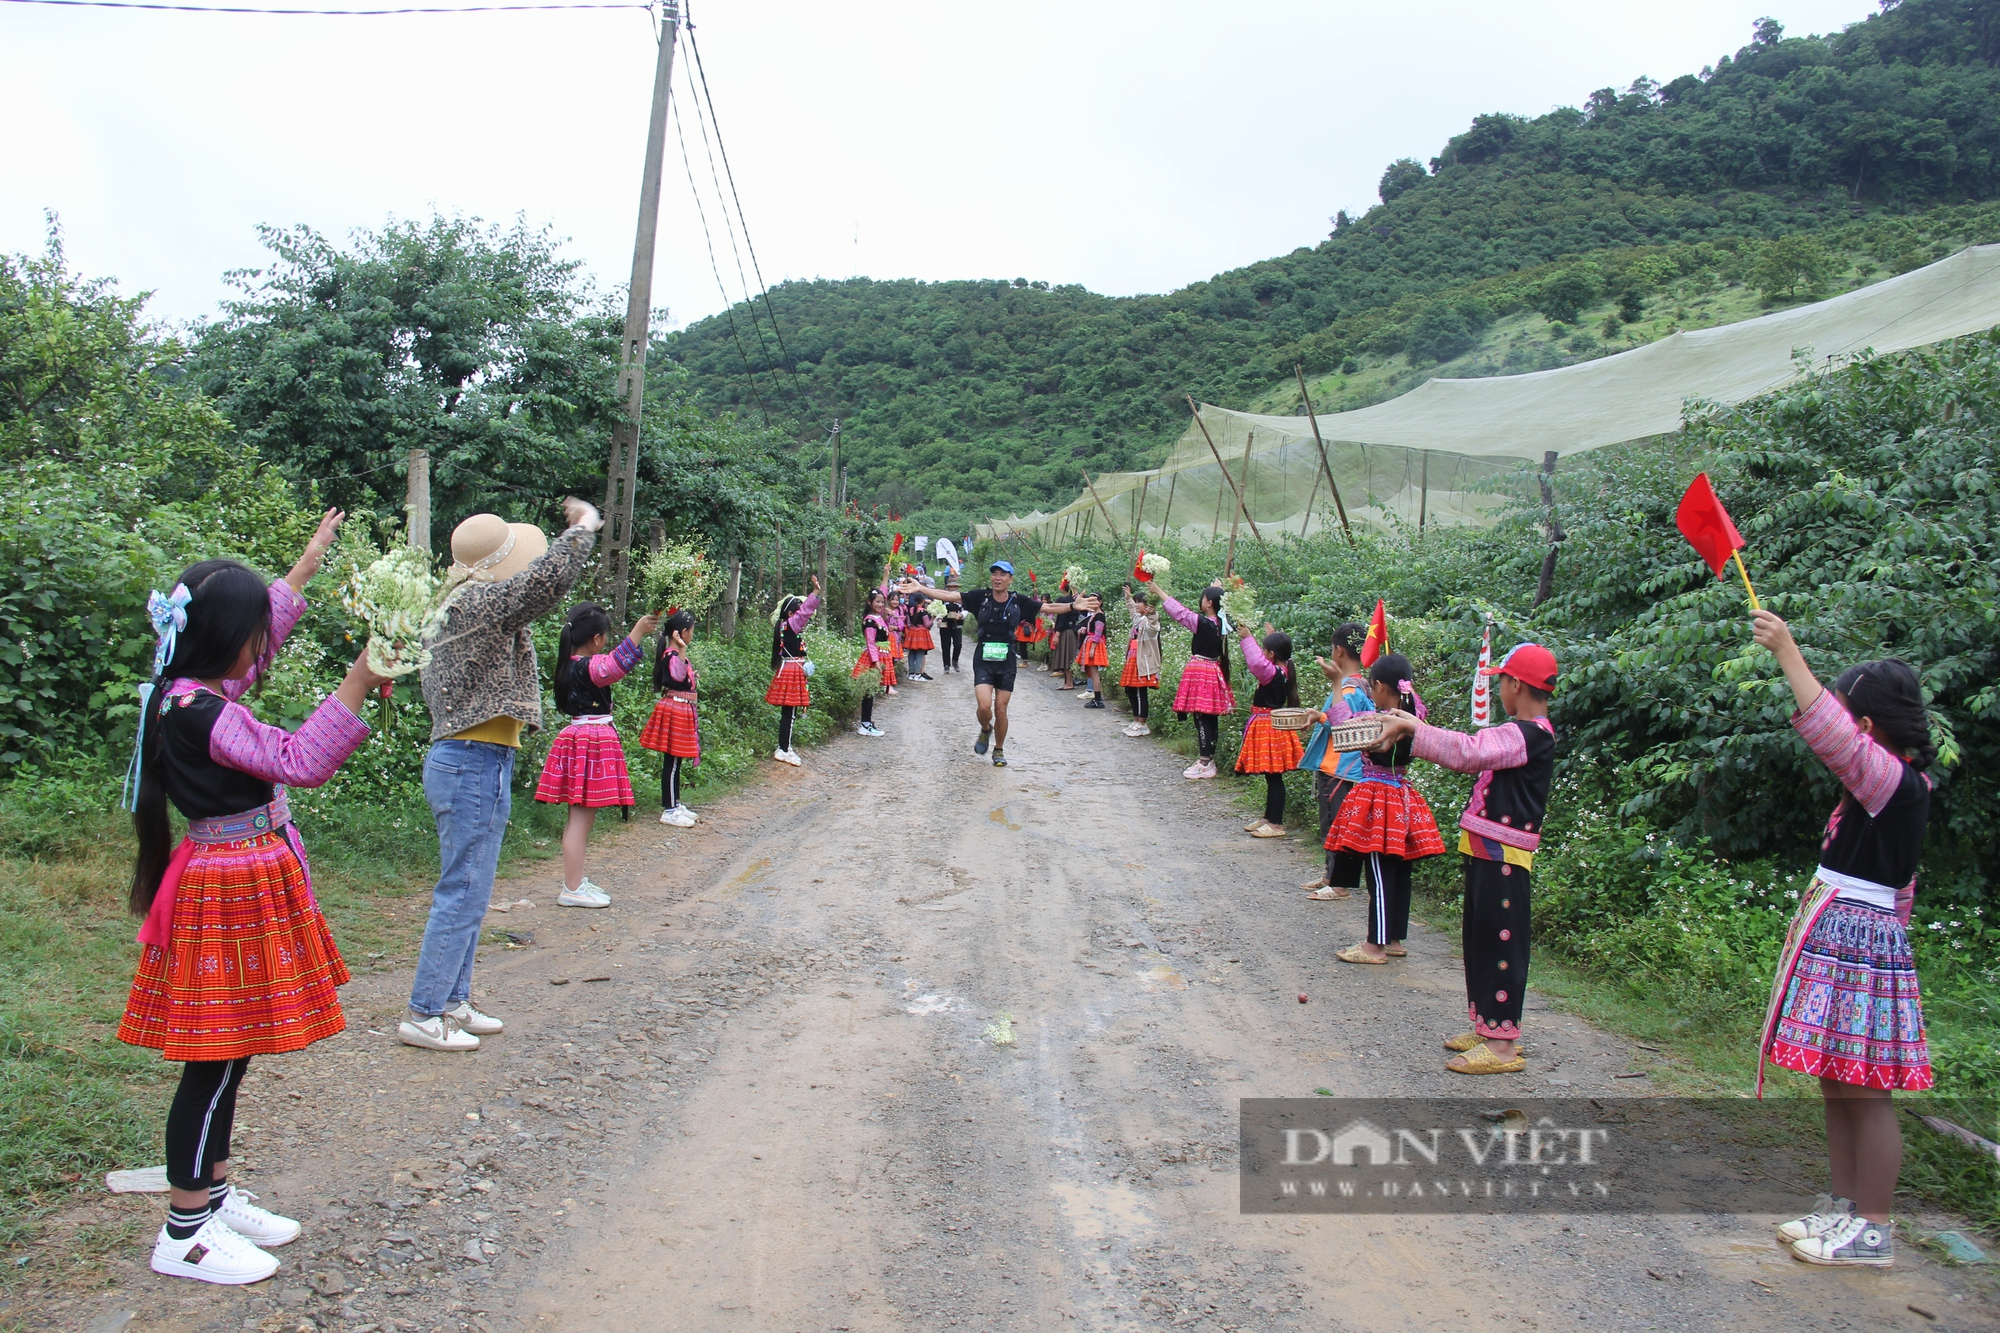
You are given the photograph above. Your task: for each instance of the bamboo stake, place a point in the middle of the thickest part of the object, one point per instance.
(1327, 467)
(1167, 519)
(1225, 471)
(1424, 501)
(1229, 561)
(1100, 504)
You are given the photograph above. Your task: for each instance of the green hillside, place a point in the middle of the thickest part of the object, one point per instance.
(1662, 199)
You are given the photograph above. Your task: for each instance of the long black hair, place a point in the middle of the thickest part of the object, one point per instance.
(585, 621)
(1278, 647)
(1393, 670)
(1887, 690)
(669, 627)
(1212, 596)
(229, 606)
(786, 609)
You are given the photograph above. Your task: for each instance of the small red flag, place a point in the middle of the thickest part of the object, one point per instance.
(895, 547)
(1705, 523)
(1139, 569)
(1377, 641)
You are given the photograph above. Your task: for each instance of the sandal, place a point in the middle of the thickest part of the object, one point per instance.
(1481, 1060)
(1255, 824)
(1326, 893)
(1398, 951)
(1353, 953)
(1268, 831)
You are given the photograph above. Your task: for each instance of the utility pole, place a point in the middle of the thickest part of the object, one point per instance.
(622, 477)
(417, 505)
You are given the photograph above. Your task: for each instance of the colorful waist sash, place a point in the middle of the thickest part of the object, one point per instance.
(236, 828)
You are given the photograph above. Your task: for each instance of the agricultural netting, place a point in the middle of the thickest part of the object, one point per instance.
(1441, 453)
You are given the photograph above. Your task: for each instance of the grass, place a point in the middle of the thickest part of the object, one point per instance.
(75, 1102)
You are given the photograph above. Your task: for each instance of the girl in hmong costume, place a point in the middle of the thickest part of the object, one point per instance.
(892, 612)
(788, 691)
(1204, 688)
(917, 634)
(238, 961)
(674, 729)
(1845, 1006)
(1093, 654)
(586, 769)
(875, 668)
(1265, 749)
(1141, 673)
(1386, 821)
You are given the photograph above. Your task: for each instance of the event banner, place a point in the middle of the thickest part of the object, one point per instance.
(1512, 1154)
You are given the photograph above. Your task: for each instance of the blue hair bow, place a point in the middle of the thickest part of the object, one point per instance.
(168, 612)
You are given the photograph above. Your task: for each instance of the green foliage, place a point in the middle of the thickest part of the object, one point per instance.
(990, 395)
(1791, 266)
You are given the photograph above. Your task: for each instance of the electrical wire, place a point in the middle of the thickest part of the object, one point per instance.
(320, 13)
(728, 310)
(728, 225)
(763, 288)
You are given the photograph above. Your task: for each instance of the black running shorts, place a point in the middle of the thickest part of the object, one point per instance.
(1000, 675)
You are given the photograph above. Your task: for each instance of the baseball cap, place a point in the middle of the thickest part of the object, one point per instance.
(1529, 663)
(1003, 566)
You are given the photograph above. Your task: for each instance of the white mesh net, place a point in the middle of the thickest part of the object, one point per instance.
(1431, 455)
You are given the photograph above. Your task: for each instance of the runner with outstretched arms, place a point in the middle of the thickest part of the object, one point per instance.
(994, 612)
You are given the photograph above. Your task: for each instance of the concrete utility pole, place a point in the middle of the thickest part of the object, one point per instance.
(417, 504)
(622, 477)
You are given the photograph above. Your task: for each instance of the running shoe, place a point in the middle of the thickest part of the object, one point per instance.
(468, 1018)
(435, 1032)
(786, 757)
(999, 758)
(585, 894)
(679, 817)
(985, 739)
(870, 729)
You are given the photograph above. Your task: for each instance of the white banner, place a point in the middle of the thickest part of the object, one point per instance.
(1482, 684)
(946, 552)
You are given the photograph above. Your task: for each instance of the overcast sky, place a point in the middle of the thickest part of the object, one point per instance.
(1131, 147)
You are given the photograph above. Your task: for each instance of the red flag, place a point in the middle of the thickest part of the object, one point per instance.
(1377, 641)
(1031, 576)
(895, 547)
(1705, 523)
(1139, 569)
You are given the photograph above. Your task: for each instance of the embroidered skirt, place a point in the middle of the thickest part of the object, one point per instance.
(788, 687)
(674, 728)
(874, 677)
(1093, 654)
(249, 967)
(917, 639)
(586, 766)
(1394, 820)
(1265, 748)
(1202, 689)
(1851, 1010)
(1130, 678)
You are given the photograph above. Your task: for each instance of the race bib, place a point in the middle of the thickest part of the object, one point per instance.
(993, 652)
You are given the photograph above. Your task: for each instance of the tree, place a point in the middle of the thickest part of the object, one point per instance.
(1791, 266)
(476, 343)
(1439, 334)
(1403, 175)
(1560, 298)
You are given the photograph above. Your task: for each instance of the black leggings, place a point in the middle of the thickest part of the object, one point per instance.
(1274, 798)
(1137, 696)
(867, 708)
(670, 780)
(951, 642)
(1207, 728)
(199, 1120)
(1388, 898)
(787, 715)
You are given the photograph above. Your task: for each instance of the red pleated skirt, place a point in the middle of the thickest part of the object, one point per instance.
(788, 687)
(249, 967)
(1381, 817)
(1202, 689)
(917, 639)
(886, 670)
(1093, 654)
(673, 729)
(1265, 748)
(586, 766)
(1130, 678)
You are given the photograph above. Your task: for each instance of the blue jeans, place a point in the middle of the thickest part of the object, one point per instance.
(469, 785)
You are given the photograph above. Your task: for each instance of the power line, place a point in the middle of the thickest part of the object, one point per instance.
(728, 306)
(321, 13)
(763, 288)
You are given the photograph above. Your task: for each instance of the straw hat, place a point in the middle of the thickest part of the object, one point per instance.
(487, 548)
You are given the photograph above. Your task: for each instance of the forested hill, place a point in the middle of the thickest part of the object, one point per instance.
(981, 395)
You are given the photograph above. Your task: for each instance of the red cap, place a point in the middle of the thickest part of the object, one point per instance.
(1529, 663)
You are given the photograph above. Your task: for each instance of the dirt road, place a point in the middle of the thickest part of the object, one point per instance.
(902, 1041)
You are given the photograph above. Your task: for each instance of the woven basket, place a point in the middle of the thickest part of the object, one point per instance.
(1362, 733)
(1291, 719)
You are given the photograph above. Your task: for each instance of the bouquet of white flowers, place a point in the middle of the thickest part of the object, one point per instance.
(400, 598)
(936, 608)
(1239, 601)
(1074, 577)
(676, 576)
(1156, 565)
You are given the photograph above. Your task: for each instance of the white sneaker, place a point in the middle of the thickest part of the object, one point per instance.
(1192, 770)
(680, 817)
(585, 894)
(212, 1254)
(439, 1032)
(869, 729)
(1204, 768)
(785, 757)
(1829, 1211)
(260, 1226)
(1141, 729)
(1853, 1241)
(468, 1019)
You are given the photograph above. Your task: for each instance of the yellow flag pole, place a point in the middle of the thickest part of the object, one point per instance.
(1737, 556)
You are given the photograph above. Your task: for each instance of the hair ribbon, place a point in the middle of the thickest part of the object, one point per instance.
(1409, 687)
(168, 614)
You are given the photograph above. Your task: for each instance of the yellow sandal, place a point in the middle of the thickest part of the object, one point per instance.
(1464, 1041)
(1481, 1060)
(1353, 954)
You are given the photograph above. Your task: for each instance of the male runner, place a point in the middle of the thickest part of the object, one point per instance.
(997, 612)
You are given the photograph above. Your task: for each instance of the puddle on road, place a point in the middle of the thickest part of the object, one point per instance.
(1161, 977)
(1000, 817)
